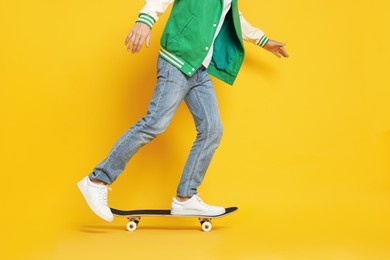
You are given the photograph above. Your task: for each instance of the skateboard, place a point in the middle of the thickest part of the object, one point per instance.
(134, 216)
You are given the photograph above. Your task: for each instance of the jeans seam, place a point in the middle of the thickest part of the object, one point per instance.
(203, 145)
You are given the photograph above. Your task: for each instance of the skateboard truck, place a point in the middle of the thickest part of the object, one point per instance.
(133, 223)
(206, 224)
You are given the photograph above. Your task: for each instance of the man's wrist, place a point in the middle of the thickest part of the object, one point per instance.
(263, 41)
(146, 19)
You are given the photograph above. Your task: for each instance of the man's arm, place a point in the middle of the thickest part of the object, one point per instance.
(258, 37)
(141, 31)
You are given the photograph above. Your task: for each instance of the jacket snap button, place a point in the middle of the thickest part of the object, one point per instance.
(215, 25)
(207, 48)
(189, 73)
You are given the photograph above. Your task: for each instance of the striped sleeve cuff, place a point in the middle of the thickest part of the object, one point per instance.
(146, 19)
(263, 41)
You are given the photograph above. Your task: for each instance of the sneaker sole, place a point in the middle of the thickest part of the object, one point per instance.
(194, 213)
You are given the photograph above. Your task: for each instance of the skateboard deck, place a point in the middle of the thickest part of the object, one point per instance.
(134, 216)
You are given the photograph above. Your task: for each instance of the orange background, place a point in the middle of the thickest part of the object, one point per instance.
(305, 153)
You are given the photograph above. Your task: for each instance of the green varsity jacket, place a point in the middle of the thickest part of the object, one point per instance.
(189, 34)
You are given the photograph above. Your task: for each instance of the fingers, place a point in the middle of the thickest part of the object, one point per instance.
(139, 40)
(277, 48)
(283, 52)
(134, 42)
(137, 36)
(130, 40)
(148, 40)
(276, 53)
(279, 52)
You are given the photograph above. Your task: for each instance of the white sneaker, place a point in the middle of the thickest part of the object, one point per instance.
(96, 197)
(194, 206)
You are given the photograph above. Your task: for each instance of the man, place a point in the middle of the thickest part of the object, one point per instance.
(200, 37)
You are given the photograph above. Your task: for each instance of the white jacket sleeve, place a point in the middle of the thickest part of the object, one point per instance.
(152, 10)
(252, 34)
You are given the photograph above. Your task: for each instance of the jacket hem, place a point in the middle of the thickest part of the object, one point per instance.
(178, 62)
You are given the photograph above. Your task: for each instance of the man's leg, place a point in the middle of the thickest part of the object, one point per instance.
(169, 92)
(171, 88)
(202, 102)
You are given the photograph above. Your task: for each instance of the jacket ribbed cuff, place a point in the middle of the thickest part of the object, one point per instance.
(263, 41)
(146, 19)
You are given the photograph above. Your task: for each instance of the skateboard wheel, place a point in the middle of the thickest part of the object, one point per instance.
(131, 226)
(207, 226)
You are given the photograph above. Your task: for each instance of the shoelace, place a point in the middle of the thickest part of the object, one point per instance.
(103, 192)
(199, 199)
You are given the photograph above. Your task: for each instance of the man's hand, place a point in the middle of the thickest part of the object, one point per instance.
(137, 36)
(276, 48)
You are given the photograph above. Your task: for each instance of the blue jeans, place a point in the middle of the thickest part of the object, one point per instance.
(172, 87)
